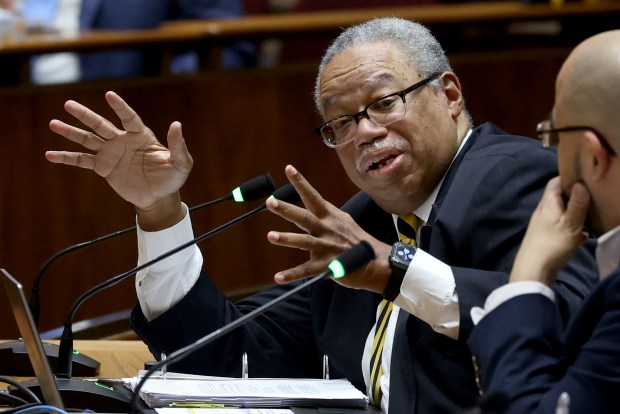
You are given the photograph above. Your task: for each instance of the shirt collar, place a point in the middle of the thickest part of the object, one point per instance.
(423, 212)
(607, 252)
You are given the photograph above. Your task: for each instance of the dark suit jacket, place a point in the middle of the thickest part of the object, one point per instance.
(479, 218)
(521, 353)
(144, 14)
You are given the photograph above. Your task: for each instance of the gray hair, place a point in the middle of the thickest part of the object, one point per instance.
(416, 41)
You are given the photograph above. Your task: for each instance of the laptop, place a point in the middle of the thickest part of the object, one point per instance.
(76, 393)
(32, 340)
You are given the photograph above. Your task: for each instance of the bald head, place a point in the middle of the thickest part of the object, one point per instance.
(588, 86)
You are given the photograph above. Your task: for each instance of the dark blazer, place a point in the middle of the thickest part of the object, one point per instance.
(480, 216)
(144, 14)
(521, 353)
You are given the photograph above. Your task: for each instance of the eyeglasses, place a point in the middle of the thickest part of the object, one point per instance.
(550, 137)
(384, 111)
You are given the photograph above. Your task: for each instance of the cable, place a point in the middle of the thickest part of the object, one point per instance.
(42, 408)
(21, 407)
(21, 387)
(13, 399)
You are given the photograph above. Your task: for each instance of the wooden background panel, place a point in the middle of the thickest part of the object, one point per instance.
(237, 125)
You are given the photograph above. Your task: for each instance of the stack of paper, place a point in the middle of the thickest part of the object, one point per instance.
(260, 393)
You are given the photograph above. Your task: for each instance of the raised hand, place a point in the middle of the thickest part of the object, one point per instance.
(553, 235)
(135, 164)
(328, 232)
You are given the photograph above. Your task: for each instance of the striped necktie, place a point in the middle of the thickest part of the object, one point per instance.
(406, 226)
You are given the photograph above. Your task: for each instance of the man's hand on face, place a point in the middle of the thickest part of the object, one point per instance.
(555, 232)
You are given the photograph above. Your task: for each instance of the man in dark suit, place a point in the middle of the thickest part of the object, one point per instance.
(516, 343)
(144, 14)
(410, 147)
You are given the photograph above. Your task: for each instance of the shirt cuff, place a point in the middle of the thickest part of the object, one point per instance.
(152, 244)
(505, 293)
(428, 291)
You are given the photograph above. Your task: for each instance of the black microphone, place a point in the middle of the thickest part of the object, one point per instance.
(13, 354)
(348, 262)
(87, 394)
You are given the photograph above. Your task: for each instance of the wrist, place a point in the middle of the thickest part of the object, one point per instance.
(164, 213)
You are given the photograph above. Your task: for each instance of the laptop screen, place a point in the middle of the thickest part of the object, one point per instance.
(30, 336)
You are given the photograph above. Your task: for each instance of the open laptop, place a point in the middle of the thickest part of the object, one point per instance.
(30, 335)
(76, 393)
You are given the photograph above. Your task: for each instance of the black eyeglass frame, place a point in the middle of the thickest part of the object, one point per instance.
(547, 142)
(364, 112)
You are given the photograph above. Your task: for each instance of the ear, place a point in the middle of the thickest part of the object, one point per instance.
(452, 89)
(599, 158)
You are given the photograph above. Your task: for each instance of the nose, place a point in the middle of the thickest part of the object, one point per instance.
(368, 131)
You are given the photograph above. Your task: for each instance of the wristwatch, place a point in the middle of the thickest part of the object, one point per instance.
(400, 258)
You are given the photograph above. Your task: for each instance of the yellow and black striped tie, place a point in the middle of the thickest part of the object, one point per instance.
(407, 226)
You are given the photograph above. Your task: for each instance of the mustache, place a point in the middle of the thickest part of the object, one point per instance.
(400, 145)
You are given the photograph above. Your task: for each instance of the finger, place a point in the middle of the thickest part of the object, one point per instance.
(299, 216)
(129, 118)
(306, 242)
(178, 150)
(76, 159)
(101, 126)
(309, 196)
(577, 207)
(86, 139)
(304, 270)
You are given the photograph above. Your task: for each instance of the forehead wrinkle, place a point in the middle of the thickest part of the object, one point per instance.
(367, 83)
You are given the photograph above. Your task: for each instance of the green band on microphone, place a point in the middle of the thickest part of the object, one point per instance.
(238, 197)
(337, 269)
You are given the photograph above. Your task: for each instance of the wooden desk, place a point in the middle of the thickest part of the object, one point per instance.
(118, 359)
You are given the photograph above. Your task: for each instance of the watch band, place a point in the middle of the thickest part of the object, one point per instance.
(400, 258)
(392, 289)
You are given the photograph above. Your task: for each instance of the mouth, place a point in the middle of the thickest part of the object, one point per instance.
(383, 162)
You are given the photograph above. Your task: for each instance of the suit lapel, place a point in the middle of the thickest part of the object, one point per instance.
(425, 230)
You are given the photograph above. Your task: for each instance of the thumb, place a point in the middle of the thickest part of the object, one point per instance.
(578, 205)
(178, 150)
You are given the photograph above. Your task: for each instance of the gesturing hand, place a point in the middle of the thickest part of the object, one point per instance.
(328, 232)
(135, 164)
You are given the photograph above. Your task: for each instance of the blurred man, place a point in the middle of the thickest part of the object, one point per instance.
(517, 344)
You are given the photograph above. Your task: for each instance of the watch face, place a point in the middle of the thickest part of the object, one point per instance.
(405, 254)
(402, 253)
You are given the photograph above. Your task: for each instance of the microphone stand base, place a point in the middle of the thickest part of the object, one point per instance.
(84, 395)
(14, 360)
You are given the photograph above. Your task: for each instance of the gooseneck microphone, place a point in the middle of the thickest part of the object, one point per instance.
(258, 187)
(13, 354)
(348, 262)
(86, 394)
